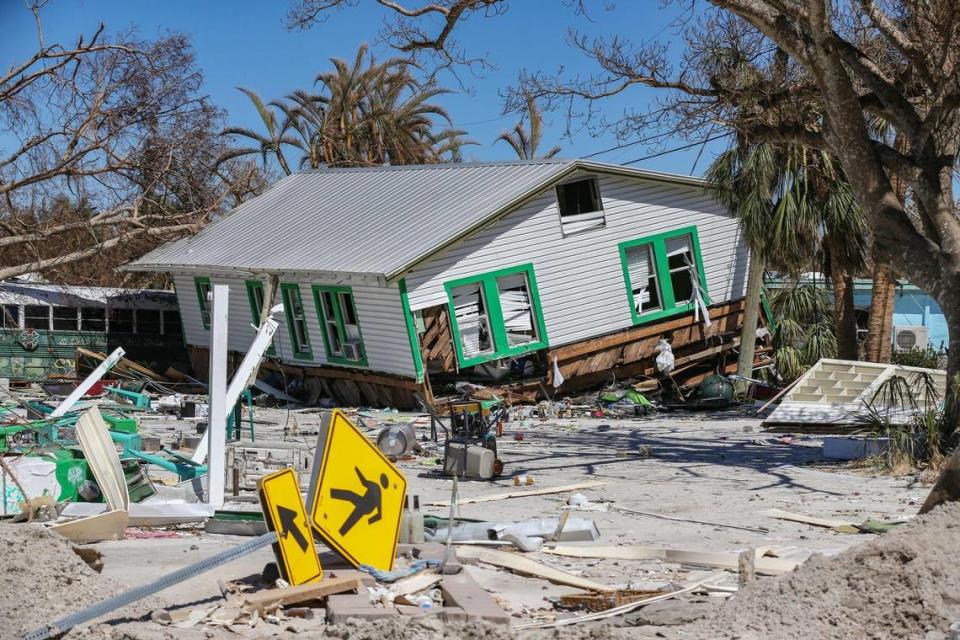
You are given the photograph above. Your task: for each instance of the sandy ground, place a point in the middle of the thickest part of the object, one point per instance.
(718, 467)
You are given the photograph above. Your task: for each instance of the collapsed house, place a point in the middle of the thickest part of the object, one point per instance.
(394, 279)
(42, 325)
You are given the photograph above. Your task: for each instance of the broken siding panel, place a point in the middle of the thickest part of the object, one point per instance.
(580, 277)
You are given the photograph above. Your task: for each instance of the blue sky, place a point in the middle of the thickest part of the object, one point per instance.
(244, 43)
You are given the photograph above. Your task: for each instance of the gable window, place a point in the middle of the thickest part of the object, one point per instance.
(339, 324)
(36, 316)
(203, 298)
(65, 318)
(496, 315)
(93, 319)
(10, 316)
(580, 205)
(663, 274)
(296, 320)
(255, 296)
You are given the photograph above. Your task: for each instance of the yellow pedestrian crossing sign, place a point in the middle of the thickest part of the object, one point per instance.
(284, 513)
(356, 495)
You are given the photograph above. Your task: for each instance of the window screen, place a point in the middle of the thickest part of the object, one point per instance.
(643, 278)
(297, 319)
(330, 324)
(36, 316)
(65, 318)
(580, 205)
(121, 320)
(473, 321)
(10, 316)
(93, 319)
(517, 309)
(680, 260)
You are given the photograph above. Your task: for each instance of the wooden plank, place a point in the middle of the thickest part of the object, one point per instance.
(828, 523)
(720, 560)
(526, 566)
(103, 526)
(520, 494)
(271, 598)
(341, 374)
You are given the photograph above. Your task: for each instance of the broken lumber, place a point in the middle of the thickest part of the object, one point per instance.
(273, 598)
(691, 520)
(525, 566)
(842, 526)
(718, 559)
(520, 494)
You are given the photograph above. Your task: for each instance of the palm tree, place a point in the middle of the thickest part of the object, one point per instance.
(266, 145)
(796, 211)
(524, 144)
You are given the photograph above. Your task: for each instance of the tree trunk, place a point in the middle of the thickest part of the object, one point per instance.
(844, 316)
(880, 328)
(751, 316)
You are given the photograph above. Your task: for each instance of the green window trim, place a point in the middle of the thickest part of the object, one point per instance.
(199, 283)
(498, 331)
(411, 330)
(341, 327)
(662, 267)
(255, 310)
(300, 351)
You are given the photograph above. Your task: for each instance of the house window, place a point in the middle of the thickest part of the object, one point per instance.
(65, 318)
(255, 297)
(203, 298)
(339, 325)
(36, 316)
(121, 320)
(10, 316)
(171, 323)
(148, 321)
(496, 315)
(93, 319)
(296, 320)
(580, 205)
(663, 274)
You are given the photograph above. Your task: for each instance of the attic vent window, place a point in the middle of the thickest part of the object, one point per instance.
(580, 205)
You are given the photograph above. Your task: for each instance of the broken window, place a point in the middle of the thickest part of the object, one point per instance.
(171, 323)
(643, 278)
(663, 274)
(148, 321)
(341, 327)
(496, 315)
(65, 318)
(255, 296)
(296, 320)
(473, 323)
(518, 319)
(36, 316)
(93, 319)
(10, 317)
(121, 320)
(580, 205)
(203, 299)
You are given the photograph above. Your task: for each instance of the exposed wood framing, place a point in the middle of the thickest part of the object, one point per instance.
(436, 343)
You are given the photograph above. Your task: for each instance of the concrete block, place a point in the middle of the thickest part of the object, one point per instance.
(343, 607)
(853, 448)
(446, 614)
(423, 550)
(462, 591)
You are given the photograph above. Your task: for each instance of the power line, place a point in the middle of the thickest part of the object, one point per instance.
(686, 146)
(624, 145)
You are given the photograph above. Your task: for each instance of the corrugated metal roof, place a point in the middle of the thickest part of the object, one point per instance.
(379, 220)
(18, 292)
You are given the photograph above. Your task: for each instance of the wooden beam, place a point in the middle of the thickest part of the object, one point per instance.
(342, 374)
(525, 566)
(721, 560)
(272, 598)
(494, 497)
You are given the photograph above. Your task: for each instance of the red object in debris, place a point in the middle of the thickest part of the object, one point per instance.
(518, 436)
(597, 414)
(96, 389)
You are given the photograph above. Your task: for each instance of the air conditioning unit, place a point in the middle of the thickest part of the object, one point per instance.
(906, 338)
(352, 351)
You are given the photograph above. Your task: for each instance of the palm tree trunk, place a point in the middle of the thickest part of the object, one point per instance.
(751, 316)
(880, 328)
(844, 316)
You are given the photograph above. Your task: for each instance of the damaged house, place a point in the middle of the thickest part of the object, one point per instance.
(397, 279)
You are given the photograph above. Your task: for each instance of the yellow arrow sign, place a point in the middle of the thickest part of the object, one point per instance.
(357, 496)
(284, 513)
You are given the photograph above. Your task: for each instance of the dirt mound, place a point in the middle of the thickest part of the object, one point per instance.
(904, 584)
(42, 579)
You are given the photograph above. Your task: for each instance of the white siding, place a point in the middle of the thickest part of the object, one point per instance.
(378, 309)
(580, 277)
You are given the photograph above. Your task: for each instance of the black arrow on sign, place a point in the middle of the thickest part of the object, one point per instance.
(288, 525)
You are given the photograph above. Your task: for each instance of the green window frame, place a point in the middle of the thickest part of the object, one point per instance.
(255, 291)
(203, 287)
(661, 274)
(296, 318)
(412, 330)
(492, 313)
(339, 324)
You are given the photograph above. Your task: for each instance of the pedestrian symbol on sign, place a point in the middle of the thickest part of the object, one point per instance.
(364, 504)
